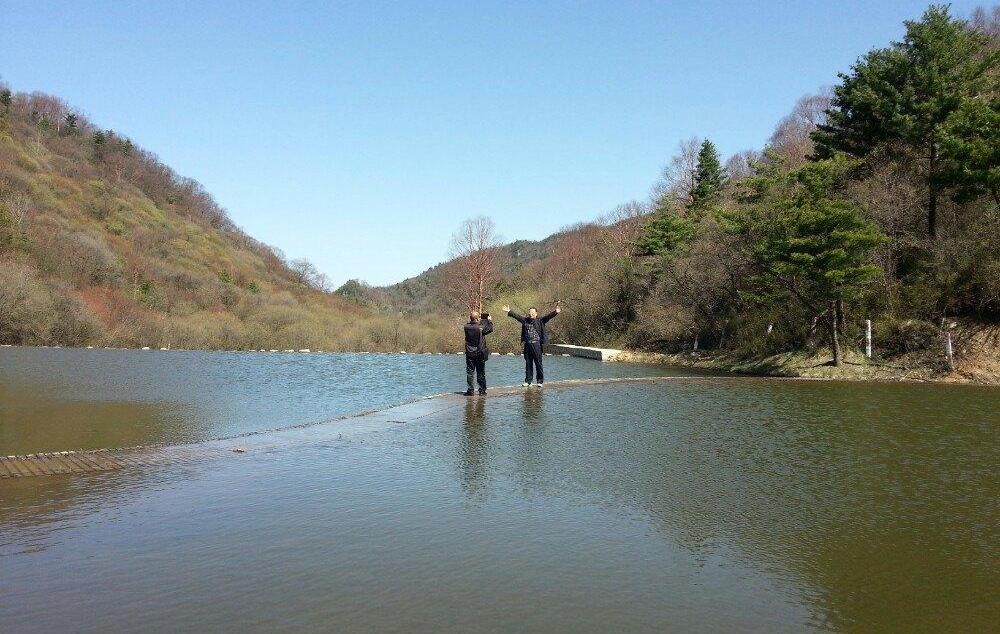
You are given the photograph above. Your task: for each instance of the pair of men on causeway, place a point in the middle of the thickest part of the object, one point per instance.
(533, 337)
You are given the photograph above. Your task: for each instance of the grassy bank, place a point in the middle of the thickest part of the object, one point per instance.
(979, 366)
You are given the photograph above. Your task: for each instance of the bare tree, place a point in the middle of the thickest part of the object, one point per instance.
(677, 180)
(740, 165)
(987, 21)
(20, 208)
(476, 249)
(623, 224)
(306, 274)
(791, 136)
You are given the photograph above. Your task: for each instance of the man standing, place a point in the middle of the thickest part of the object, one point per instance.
(476, 351)
(533, 337)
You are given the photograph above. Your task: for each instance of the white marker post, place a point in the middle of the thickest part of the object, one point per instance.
(868, 338)
(949, 352)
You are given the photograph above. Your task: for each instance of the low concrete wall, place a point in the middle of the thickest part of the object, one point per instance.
(599, 354)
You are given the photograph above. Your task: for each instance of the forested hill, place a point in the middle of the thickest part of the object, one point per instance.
(876, 200)
(430, 291)
(103, 244)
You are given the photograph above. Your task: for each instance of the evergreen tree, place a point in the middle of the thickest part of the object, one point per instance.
(809, 244)
(916, 99)
(5, 99)
(663, 234)
(709, 175)
(71, 122)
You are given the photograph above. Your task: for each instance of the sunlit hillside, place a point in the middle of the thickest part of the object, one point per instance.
(103, 244)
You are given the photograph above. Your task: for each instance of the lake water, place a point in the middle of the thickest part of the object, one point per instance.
(698, 505)
(55, 399)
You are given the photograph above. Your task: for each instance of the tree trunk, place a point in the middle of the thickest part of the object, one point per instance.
(932, 194)
(835, 335)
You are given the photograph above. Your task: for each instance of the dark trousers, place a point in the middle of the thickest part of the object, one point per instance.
(475, 366)
(533, 359)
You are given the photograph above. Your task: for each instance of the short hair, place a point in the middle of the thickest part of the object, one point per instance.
(533, 308)
(474, 315)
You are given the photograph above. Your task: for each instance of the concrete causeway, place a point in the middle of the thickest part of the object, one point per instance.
(598, 354)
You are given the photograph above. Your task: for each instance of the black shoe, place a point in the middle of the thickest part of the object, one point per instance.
(469, 392)
(482, 392)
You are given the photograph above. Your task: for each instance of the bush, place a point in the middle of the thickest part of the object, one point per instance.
(894, 338)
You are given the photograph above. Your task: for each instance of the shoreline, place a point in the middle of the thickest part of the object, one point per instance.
(983, 370)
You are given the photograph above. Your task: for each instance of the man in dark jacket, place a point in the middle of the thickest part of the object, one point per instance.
(476, 350)
(533, 337)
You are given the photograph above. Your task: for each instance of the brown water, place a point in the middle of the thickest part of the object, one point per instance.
(698, 505)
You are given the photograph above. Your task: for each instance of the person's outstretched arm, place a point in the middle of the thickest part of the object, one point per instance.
(512, 314)
(552, 314)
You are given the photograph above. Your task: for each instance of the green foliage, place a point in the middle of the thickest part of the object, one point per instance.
(663, 234)
(353, 290)
(71, 124)
(930, 100)
(709, 176)
(807, 242)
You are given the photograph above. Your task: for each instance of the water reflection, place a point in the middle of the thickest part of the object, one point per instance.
(532, 405)
(473, 447)
(728, 506)
(59, 399)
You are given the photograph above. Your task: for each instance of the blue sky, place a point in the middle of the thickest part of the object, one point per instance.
(360, 134)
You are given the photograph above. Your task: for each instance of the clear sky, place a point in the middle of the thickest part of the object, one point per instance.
(360, 134)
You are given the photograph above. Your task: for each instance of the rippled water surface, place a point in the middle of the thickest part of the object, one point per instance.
(696, 505)
(57, 399)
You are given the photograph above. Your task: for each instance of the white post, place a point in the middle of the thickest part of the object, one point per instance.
(868, 338)
(948, 351)
(696, 342)
(770, 327)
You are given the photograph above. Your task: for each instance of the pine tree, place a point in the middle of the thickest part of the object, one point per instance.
(663, 234)
(811, 245)
(912, 99)
(708, 177)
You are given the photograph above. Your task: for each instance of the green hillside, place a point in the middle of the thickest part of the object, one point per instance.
(877, 201)
(102, 244)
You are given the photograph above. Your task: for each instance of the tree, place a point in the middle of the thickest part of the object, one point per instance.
(663, 234)
(808, 243)
(678, 178)
(476, 248)
(5, 99)
(71, 124)
(741, 165)
(708, 177)
(915, 100)
(791, 138)
(306, 274)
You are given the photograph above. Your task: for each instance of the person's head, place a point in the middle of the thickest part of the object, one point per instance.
(474, 317)
(532, 312)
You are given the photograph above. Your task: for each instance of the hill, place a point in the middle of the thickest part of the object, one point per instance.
(102, 244)
(877, 201)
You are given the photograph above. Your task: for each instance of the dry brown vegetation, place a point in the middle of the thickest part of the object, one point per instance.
(102, 244)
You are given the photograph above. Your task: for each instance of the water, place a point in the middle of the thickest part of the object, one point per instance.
(697, 505)
(55, 399)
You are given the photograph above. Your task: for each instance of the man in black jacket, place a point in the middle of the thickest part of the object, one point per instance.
(476, 350)
(533, 337)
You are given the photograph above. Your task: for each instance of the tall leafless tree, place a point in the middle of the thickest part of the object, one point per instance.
(475, 247)
(677, 179)
(791, 136)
